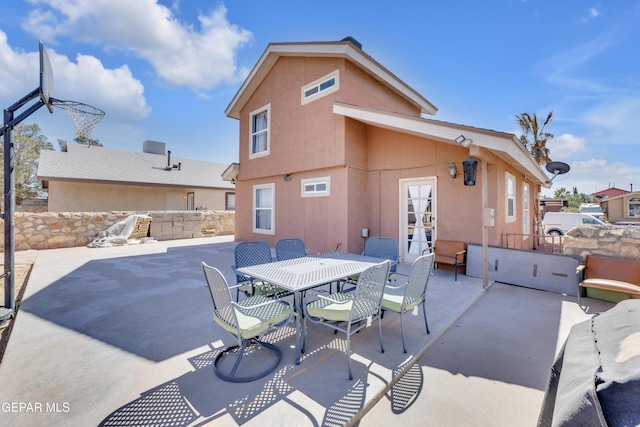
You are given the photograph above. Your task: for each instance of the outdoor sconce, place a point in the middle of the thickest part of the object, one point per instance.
(470, 167)
(453, 173)
(286, 177)
(364, 233)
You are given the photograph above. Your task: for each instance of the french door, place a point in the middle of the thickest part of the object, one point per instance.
(417, 216)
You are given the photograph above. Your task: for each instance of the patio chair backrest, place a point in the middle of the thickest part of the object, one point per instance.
(369, 291)
(382, 247)
(418, 279)
(289, 249)
(251, 253)
(220, 295)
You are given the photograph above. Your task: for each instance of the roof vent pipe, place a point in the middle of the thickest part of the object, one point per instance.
(169, 159)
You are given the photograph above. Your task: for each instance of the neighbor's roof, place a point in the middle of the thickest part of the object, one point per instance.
(107, 165)
(340, 49)
(505, 145)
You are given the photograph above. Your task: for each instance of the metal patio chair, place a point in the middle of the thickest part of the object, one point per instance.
(248, 254)
(410, 295)
(353, 311)
(380, 247)
(246, 321)
(290, 249)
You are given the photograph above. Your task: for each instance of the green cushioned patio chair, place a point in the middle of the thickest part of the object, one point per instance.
(247, 254)
(410, 295)
(247, 320)
(353, 311)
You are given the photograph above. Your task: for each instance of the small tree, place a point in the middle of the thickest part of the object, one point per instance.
(79, 140)
(28, 141)
(534, 137)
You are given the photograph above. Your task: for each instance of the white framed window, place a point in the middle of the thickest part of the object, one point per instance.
(264, 208)
(323, 86)
(316, 187)
(526, 227)
(633, 207)
(510, 197)
(259, 134)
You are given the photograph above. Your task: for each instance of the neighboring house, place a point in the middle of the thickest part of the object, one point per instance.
(624, 208)
(96, 179)
(332, 143)
(609, 192)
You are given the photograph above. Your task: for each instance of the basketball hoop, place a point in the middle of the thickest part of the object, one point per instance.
(85, 117)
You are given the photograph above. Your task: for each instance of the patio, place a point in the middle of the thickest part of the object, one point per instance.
(125, 336)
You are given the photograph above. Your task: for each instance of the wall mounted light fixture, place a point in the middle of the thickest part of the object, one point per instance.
(470, 167)
(465, 142)
(453, 172)
(286, 177)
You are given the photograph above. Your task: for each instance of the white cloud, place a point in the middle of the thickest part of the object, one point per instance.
(86, 80)
(592, 13)
(566, 146)
(181, 55)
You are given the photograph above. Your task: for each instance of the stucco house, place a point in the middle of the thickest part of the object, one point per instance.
(622, 209)
(333, 146)
(98, 179)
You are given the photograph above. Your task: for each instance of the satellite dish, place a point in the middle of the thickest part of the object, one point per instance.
(557, 168)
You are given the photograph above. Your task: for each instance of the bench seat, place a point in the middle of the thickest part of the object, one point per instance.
(611, 274)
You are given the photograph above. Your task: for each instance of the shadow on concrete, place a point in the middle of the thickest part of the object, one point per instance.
(155, 306)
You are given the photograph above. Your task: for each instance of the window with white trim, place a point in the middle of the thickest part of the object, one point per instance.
(264, 208)
(510, 197)
(259, 135)
(316, 187)
(525, 208)
(633, 207)
(323, 86)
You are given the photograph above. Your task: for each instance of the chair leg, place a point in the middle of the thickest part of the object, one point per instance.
(349, 354)
(380, 333)
(404, 347)
(230, 375)
(424, 310)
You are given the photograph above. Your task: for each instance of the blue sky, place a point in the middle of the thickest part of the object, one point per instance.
(166, 70)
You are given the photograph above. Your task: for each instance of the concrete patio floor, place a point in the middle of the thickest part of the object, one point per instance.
(125, 336)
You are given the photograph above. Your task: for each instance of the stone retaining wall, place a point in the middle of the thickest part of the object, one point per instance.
(611, 240)
(52, 230)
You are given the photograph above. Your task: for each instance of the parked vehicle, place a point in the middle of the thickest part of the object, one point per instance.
(592, 209)
(558, 223)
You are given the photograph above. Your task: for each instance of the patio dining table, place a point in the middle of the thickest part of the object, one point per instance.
(301, 274)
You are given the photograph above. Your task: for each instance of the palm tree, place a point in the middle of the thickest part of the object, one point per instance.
(534, 138)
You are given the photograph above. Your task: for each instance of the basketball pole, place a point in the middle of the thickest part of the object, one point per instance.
(10, 122)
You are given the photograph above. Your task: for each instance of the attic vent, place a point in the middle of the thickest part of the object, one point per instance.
(353, 41)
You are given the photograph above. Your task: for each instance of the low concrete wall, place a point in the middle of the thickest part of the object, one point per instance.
(52, 230)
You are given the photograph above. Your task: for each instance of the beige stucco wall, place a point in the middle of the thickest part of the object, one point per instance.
(618, 209)
(88, 197)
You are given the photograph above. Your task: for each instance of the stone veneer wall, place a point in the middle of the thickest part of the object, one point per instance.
(611, 240)
(52, 230)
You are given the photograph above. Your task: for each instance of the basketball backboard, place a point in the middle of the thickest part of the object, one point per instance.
(46, 78)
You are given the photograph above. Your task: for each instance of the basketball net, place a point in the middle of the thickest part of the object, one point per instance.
(85, 117)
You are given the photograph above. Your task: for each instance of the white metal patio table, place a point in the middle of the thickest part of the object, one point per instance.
(300, 274)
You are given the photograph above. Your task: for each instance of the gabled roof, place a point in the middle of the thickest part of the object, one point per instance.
(107, 165)
(505, 145)
(622, 196)
(341, 49)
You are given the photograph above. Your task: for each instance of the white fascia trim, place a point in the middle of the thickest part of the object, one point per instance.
(504, 145)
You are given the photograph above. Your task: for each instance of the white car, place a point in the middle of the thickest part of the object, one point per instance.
(558, 223)
(592, 209)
